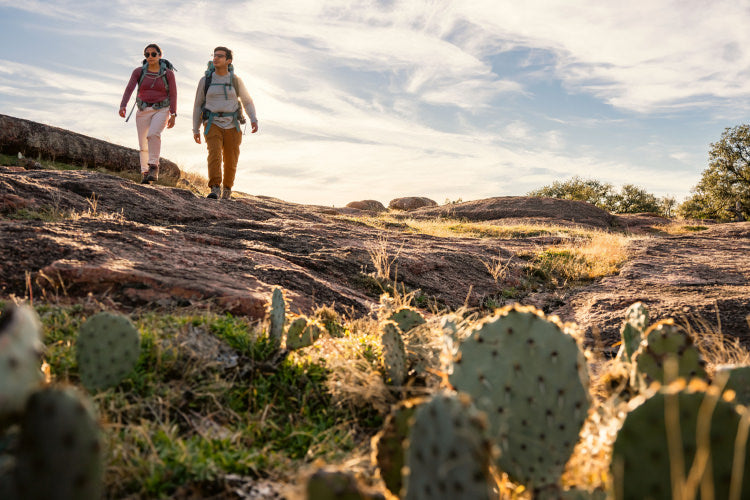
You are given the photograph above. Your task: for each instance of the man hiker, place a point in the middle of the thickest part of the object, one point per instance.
(218, 107)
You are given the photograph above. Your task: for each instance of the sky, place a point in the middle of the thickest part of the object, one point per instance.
(451, 100)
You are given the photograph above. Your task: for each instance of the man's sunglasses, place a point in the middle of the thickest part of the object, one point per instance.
(151, 54)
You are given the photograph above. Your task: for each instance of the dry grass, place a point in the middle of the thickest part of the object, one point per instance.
(678, 228)
(598, 255)
(451, 228)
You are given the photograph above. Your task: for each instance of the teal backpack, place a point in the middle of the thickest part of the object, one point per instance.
(164, 65)
(208, 115)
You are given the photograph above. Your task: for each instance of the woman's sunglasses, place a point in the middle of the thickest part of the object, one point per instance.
(151, 54)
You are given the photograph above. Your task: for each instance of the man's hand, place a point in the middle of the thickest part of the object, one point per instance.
(122, 112)
(170, 123)
(197, 138)
(254, 127)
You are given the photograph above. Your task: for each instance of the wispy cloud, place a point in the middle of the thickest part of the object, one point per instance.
(377, 99)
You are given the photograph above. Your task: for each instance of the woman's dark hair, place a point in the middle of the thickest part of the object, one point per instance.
(226, 51)
(158, 49)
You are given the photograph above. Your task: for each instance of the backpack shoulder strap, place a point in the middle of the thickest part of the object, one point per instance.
(143, 73)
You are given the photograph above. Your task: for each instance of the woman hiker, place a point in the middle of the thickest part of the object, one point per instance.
(157, 107)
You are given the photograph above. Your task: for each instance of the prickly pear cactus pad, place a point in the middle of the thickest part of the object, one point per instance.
(448, 454)
(636, 321)
(663, 340)
(738, 380)
(60, 451)
(277, 314)
(388, 445)
(394, 353)
(531, 379)
(303, 332)
(107, 350)
(20, 357)
(641, 454)
(407, 318)
(331, 484)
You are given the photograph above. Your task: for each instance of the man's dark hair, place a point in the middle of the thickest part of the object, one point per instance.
(158, 49)
(226, 51)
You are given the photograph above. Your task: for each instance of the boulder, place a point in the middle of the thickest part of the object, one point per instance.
(411, 203)
(37, 140)
(369, 205)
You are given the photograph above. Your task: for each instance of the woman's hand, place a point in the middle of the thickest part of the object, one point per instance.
(122, 112)
(170, 123)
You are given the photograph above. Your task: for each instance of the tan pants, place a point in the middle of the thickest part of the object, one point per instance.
(223, 142)
(150, 123)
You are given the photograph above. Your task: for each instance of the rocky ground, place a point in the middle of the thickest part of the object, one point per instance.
(135, 245)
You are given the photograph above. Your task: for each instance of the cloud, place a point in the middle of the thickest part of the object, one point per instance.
(361, 99)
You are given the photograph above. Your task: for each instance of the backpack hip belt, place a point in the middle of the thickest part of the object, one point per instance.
(209, 116)
(156, 105)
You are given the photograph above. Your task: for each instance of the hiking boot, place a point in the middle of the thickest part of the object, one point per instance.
(215, 192)
(144, 179)
(226, 194)
(153, 172)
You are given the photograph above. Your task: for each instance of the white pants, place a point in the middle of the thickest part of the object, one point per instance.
(150, 122)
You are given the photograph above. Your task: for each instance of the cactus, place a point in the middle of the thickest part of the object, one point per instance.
(60, 450)
(664, 340)
(531, 379)
(644, 465)
(20, 358)
(394, 353)
(448, 453)
(738, 380)
(107, 350)
(633, 329)
(332, 484)
(388, 445)
(303, 332)
(407, 318)
(277, 314)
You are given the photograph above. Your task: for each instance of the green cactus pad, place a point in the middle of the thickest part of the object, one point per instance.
(277, 314)
(60, 450)
(632, 331)
(531, 379)
(641, 453)
(394, 353)
(388, 445)
(20, 358)
(448, 453)
(738, 381)
(407, 318)
(303, 332)
(107, 350)
(332, 484)
(662, 341)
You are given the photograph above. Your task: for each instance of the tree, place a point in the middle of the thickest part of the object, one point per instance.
(631, 199)
(725, 184)
(578, 189)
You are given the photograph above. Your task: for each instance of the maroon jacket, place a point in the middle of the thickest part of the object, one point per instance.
(152, 89)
